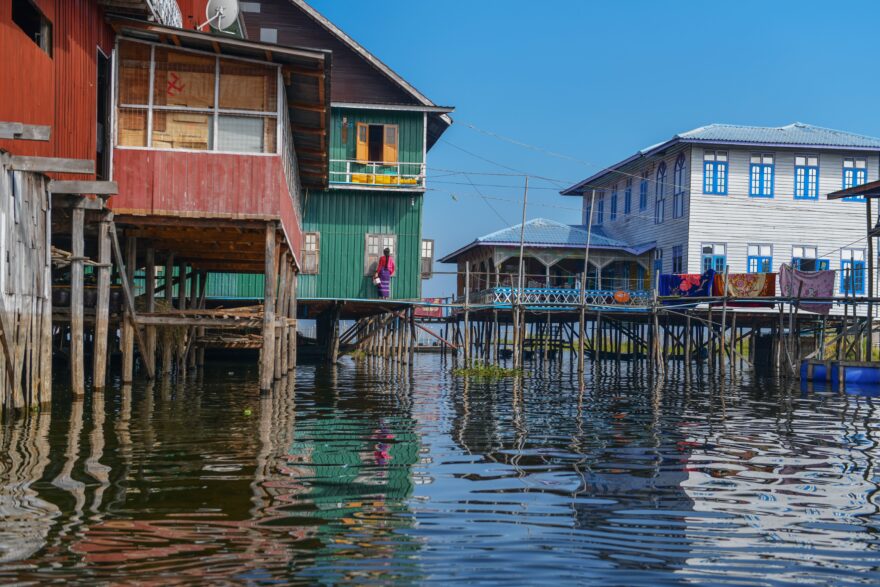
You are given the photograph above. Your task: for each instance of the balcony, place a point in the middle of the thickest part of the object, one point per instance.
(377, 174)
(560, 298)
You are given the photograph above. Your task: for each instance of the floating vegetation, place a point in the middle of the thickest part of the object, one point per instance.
(486, 371)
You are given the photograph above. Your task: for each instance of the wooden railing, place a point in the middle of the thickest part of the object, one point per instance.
(377, 173)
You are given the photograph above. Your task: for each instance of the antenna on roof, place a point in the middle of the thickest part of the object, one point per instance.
(221, 14)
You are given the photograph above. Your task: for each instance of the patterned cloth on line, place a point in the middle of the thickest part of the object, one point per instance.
(746, 285)
(807, 284)
(688, 285)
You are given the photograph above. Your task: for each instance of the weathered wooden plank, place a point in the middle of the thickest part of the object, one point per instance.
(72, 202)
(203, 321)
(99, 188)
(24, 132)
(52, 164)
(102, 309)
(267, 353)
(77, 356)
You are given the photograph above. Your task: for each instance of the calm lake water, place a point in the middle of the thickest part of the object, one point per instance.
(364, 473)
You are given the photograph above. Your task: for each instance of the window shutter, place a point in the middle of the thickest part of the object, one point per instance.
(389, 150)
(362, 152)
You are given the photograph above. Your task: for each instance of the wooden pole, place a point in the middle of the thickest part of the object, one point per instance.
(291, 345)
(267, 352)
(148, 354)
(127, 276)
(102, 309)
(280, 310)
(169, 299)
(467, 312)
(77, 358)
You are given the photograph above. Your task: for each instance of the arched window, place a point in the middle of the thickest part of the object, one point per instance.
(678, 188)
(660, 193)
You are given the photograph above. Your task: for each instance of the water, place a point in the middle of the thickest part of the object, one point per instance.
(368, 474)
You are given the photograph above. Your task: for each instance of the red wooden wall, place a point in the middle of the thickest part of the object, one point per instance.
(60, 90)
(204, 185)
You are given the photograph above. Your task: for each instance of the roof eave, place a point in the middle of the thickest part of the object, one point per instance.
(578, 188)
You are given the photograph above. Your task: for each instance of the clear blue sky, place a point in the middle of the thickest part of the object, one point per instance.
(596, 81)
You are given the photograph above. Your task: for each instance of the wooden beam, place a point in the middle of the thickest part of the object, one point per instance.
(52, 165)
(308, 130)
(24, 132)
(102, 188)
(267, 352)
(77, 203)
(205, 321)
(129, 297)
(319, 73)
(308, 107)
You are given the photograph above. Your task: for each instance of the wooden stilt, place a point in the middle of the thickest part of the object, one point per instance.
(148, 354)
(77, 358)
(167, 339)
(280, 311)
(102, 308)
(127, 323)
(267, 352)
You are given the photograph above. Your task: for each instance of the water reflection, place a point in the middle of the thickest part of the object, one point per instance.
(375, 472)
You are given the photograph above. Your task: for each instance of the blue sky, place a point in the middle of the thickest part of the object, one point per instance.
(595, 82)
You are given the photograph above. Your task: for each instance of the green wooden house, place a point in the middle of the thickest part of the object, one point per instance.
(380, 132)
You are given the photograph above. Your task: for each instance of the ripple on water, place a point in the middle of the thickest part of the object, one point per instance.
(369, 473)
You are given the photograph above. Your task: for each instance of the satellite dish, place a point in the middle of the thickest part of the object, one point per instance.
(221, 14)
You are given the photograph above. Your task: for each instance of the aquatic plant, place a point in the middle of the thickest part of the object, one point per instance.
(486, 371)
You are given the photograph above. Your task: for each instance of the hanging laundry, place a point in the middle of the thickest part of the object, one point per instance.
(688, 285)
(807, 284)
(746, 285)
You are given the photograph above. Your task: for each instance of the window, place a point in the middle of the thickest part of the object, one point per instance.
(376, 143)
(804, 258)
(678, 187)
(715, 172)
(311, 253)
(760, 259)
(660, 194)
(427, 258)
(714, 257)
(855, 173)
(806, 177)
(613, 204)
(643, 192)
(678, 259)
(195, 101)
(658, 260)
(761, 175)
(374, 246)
(852, 271)
(628, 196)
(31, 21)
(600, 208)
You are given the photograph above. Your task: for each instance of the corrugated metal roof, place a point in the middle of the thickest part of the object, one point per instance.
(541, 232)
(796, 133)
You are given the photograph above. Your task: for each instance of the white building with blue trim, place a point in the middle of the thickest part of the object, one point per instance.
(744, 197)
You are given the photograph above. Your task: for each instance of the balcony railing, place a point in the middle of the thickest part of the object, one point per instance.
(377, 174)
(548, 297)
(289, 162)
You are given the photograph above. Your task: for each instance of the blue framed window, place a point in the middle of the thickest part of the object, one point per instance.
(714, 256)
(761, 172)
(600, 208)
(852, 271)
(643, 192)
(628, 196)
(678, 176)
(658, 260)
(855, 172)
(678, 259)
(660, 194)
(806, 177)
(613, 215)
(760, 259)
(715, 172)
(587, 210)
(640, 277)
(804, 258)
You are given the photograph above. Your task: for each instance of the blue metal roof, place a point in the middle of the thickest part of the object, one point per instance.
(796, 134)
(541, 232)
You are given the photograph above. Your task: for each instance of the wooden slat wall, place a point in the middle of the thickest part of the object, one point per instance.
(59, 91)
(204, 185)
